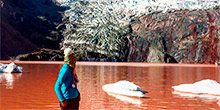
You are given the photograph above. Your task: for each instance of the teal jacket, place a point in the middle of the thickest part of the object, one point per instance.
(63, 86)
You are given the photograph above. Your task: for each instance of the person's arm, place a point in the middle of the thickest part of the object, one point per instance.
(62, 76)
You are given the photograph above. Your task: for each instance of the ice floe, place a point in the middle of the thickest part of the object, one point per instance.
(125, 88)
(207, 89)
(10, 68)
(201, 87)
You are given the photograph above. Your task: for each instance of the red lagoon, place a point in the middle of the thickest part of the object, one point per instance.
(34, 88)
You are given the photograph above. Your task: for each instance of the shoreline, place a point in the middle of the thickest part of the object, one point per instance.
(134, 64)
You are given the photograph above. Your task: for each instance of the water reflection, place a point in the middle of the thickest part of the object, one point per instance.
(218, 101)
(132, 100)
(8, 79)
(158, 81)
(37, 84)
(204, 98)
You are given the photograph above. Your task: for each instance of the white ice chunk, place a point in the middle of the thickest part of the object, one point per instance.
(201, 87)
(208, 89)
(123, 88)
(9, 68)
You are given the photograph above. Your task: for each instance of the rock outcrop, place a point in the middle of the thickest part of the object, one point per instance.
(168, 32)
(181, 36)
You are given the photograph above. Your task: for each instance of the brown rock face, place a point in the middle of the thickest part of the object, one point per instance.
(180, 36)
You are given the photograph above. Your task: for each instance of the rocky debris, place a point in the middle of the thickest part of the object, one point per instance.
(181, 36)
(41, 55)
(29, 24)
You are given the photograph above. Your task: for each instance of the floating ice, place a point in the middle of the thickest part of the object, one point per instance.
(206, 89)
(123, 88)
(10, 68)
(201, 87)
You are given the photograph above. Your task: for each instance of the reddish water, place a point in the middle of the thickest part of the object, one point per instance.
(34, 88)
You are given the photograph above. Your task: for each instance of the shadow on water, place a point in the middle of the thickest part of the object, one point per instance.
(145, 97)
(144, 92)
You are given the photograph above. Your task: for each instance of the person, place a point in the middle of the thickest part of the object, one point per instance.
(66, 84)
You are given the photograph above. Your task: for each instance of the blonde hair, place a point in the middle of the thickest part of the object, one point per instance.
(67, 52)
